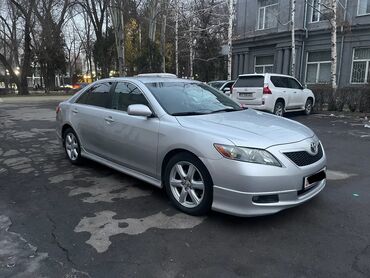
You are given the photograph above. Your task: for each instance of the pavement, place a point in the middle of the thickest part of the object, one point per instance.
(60, 220)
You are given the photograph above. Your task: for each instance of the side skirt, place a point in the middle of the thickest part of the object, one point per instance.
(123, 169)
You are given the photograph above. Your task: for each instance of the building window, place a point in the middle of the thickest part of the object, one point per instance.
(264, 64)
(320, 10)
(360, 66)
(318, 67)
(267, 14)
(363, 7)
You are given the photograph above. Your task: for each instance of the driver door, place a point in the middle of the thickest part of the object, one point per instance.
(132, 140)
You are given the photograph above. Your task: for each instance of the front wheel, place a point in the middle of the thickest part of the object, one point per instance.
(188, 184)
(308, 107)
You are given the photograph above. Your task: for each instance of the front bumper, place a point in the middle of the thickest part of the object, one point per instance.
(241, 204)
(236, 183)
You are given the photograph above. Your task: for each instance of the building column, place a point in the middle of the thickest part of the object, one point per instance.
(279, 61)
(234, 72)
(286, 62)
(246, 62)
(240, 63)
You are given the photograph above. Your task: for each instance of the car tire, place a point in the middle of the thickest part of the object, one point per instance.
(308, 107)
(72, 146)
(188, 184)
(279, 109)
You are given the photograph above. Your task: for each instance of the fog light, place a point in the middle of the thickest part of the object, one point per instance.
(265, 199)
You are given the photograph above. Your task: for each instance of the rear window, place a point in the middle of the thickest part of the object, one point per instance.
(250, 81)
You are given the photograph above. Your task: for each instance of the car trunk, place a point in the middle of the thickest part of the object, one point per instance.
(249, 89)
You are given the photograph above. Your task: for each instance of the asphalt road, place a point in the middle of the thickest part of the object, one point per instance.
(59, 220)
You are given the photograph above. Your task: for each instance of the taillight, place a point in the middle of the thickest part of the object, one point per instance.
(57, 110)
(266, 90)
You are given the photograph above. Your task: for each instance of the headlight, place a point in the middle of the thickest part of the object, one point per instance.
(247, 154)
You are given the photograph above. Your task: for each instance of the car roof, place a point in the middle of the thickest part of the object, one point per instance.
(224, 81)
(264, 74)
(148, 79)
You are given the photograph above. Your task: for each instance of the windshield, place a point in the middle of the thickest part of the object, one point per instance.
(184, 98)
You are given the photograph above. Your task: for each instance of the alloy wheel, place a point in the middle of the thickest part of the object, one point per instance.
(187, 184)
(72, 147)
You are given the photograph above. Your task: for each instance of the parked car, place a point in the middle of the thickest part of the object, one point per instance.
(223, 85)
(274, 93)
(200, 145)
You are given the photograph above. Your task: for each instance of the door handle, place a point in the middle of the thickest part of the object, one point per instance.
(295, 92)
(74, 111)
(109, 119)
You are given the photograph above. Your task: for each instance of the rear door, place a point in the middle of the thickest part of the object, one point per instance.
(87, 117)
(298, 96)
(249, 89)
(282, 89)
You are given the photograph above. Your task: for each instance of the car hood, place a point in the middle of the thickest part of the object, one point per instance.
(248, 128)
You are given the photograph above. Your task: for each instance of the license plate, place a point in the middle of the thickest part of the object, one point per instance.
(245, 94)
(314, 179)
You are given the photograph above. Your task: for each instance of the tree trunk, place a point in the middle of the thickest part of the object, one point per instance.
(163, 35)
(119, 32)
(14, 77)
(153, 20)
(177, 37)
(26, 65)
(229, 38)
(333, 22)
(293, 39)
(191, 52)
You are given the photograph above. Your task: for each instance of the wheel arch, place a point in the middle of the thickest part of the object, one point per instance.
(174, 152)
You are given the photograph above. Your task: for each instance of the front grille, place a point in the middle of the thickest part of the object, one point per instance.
(304, 158)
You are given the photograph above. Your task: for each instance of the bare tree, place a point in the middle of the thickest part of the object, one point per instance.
(293, 5)
(177, 37)
(116, 11)
(230, 37)
(163, 34)
(25, 8)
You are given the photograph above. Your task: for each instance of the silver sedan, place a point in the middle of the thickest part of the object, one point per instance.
(201, 146)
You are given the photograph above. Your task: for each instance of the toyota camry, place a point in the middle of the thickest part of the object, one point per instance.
(203, 148)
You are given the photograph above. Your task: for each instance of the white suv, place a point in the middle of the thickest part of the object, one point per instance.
(275, 93)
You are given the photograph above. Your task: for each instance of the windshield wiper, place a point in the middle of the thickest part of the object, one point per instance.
(189, 113)
(226, 110)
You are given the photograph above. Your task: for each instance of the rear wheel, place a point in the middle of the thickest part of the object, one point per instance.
(72, 146)
(308, 107)
(279, 108)
(188, 184)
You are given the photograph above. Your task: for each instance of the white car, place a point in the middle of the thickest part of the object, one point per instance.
(274, 93)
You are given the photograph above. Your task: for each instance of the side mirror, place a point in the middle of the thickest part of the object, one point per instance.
(139, 110)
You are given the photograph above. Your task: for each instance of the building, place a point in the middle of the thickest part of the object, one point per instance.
(263, 39)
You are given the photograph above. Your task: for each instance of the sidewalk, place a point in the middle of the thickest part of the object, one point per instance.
(32, 98)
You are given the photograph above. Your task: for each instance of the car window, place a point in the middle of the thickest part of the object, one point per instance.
(126, 94)
(229, 85)
(250, 81)
(98, 95)
(294, 84)
(279, 81)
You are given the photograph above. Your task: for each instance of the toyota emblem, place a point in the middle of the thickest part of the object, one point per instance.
(314, 147)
